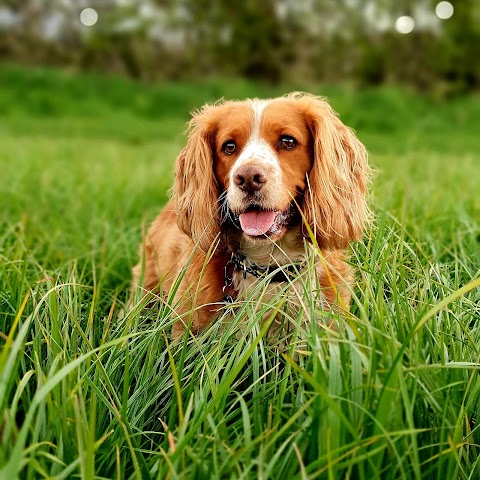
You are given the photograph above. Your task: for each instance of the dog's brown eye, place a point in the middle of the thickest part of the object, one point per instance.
(288, 142)
(229, 147)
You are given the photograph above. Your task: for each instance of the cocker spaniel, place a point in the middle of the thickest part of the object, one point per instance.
(258, 184)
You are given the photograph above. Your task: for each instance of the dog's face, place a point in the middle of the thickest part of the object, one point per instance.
(262, 154)
(262, 167)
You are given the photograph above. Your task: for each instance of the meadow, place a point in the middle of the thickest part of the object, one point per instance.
(86, 163)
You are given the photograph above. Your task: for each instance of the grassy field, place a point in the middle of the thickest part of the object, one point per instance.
(86, 163)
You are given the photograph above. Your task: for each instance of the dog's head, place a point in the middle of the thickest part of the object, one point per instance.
(263, 166)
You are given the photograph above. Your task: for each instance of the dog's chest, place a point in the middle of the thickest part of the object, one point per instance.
(275, 272)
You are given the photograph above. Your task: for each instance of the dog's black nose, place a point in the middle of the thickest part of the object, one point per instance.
(250, 178)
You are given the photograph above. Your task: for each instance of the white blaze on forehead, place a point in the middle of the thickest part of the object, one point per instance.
(257, 150)
(258, 107)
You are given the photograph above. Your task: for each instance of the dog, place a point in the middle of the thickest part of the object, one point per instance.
(258, 184)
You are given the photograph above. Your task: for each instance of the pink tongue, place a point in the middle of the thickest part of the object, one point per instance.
(256, 223)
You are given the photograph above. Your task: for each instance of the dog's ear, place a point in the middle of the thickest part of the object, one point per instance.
(195, 190)
(335, 204)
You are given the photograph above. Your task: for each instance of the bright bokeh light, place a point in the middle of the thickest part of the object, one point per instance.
(88, 17)
(404, 24)
(444, 10)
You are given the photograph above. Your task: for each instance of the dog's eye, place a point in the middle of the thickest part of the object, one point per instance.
(229, 147)
(288, 142)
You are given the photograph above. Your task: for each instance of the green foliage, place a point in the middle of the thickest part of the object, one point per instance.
(273, 41)
(393, 393)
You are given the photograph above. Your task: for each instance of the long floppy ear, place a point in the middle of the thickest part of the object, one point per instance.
(335, 203)
(195, 190)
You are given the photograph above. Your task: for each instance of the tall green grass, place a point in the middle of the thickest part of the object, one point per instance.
(391, 393)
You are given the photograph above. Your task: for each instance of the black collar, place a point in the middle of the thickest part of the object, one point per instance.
(237, 263)
(278, 273)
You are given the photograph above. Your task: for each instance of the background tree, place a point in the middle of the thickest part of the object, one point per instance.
(272, 40)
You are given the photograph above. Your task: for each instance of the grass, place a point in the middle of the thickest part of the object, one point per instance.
(394, 393)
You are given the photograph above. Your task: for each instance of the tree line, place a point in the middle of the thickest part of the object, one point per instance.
(269, 40)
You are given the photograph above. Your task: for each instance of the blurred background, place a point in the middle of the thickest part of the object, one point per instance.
(95, 96)
(428, 45)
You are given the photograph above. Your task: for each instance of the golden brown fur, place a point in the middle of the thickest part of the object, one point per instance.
(322, 179)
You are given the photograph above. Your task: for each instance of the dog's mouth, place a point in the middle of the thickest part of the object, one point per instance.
(259, 223)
